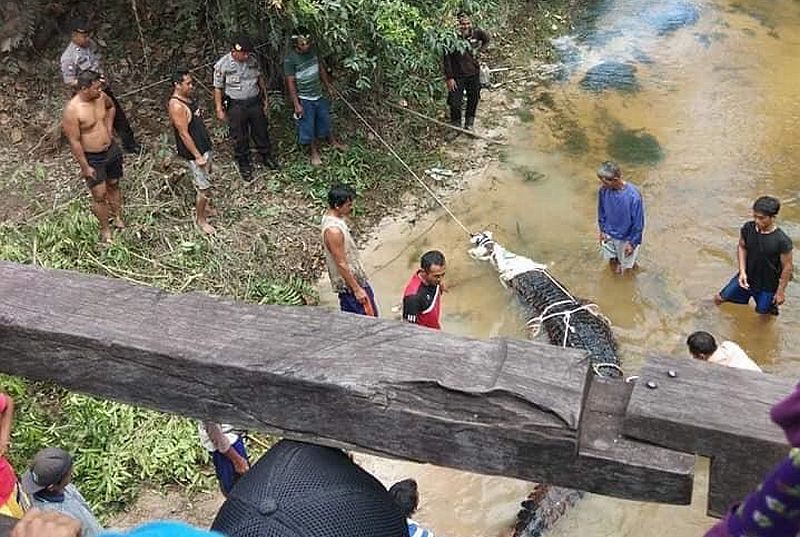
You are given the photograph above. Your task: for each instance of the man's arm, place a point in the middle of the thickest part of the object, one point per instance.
(6, 419)
(72, 131)
(262, 84)
(637, 224)
(325, 76)
(222, 445)
(601, 217)
(483, 37)
(741, 255)
(180, 116)
(291, 85)
(786, 274)
(69, 71)
(449, 72)
(111, 111)
(218, 104)
(411, 308)
(334, 241)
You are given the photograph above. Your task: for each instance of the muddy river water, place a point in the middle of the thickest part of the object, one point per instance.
(704, 116)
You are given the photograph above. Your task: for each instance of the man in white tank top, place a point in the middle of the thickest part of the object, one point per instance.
(347, 275)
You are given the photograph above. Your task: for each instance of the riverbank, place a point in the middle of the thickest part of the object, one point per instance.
(266, 249)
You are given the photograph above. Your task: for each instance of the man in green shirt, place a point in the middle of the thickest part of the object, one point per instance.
(305, 76)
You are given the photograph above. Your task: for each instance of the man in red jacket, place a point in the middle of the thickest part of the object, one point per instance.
(422, 299)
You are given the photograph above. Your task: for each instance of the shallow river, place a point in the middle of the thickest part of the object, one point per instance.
(708, 121)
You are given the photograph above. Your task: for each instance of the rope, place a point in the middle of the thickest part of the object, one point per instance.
(609, 365)
(395, 155)
(566, 315)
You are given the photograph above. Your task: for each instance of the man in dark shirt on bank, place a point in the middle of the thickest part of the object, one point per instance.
(462, 74)
(765, 261)
(193, 143)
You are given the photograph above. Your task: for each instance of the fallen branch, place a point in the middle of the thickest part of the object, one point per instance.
(448, 125)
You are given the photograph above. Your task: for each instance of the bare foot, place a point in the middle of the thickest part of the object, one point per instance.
(717, 299)
(105, 236)
(315, 160)
(206, 228)
(119, 223)
(210, 211)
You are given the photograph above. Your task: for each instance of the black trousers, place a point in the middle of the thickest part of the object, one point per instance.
(121, 125)
(245, 119)
(471, 85)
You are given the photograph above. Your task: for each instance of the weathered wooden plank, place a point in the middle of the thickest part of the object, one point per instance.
(712, 410)
(609, 455)
(502, 407)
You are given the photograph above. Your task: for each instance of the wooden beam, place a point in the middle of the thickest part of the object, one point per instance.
(715, 411)
(606, 452)
(503, 407)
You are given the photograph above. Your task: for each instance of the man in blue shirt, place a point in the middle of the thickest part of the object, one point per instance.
(47, 482)
(620, 218)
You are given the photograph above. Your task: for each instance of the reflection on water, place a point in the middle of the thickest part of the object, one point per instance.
(710, 120)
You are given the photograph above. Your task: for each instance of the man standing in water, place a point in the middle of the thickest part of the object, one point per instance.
(422, 299)
(347, 275)
(462, 74)
(88, 124)
(193, 142)
(765, 261)
(620, 218)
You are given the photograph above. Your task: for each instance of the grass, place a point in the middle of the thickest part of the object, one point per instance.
(266, 251)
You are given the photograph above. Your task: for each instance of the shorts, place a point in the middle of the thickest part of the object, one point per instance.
(733, 292)
(226, 473)
(107, 166)
(200, 174)
(349, 304)
(316, 120)
(615, 249)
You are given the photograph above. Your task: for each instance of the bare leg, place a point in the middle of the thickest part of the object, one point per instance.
(115, 204)
(100, 210)
(201, 208)
(313, 149)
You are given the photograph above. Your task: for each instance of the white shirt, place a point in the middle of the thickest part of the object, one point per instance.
(730, 354)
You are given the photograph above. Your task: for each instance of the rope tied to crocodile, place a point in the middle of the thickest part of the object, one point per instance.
(535, 324)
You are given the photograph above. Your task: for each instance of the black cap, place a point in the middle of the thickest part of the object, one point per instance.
(80, 26)
(49, 467)
(243, 44)
(305, 490)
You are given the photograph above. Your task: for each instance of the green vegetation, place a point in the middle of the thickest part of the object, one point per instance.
(267, 248)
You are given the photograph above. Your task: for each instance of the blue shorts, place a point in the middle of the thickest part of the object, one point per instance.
(349, 304)
(316, 120)
(226, 474)
(733, 292)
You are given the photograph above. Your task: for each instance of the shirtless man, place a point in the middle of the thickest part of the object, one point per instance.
(88, 124)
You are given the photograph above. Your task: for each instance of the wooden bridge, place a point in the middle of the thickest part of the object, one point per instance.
(500, 407)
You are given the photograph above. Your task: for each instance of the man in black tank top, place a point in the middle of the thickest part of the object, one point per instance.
(193, 143)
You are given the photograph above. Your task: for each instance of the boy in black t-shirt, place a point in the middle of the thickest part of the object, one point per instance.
(765, 261)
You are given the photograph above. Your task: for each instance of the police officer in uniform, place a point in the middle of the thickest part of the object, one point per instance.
(82, 55)
(240, 97)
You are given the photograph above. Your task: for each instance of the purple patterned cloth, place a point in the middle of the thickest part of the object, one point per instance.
(772, 510)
